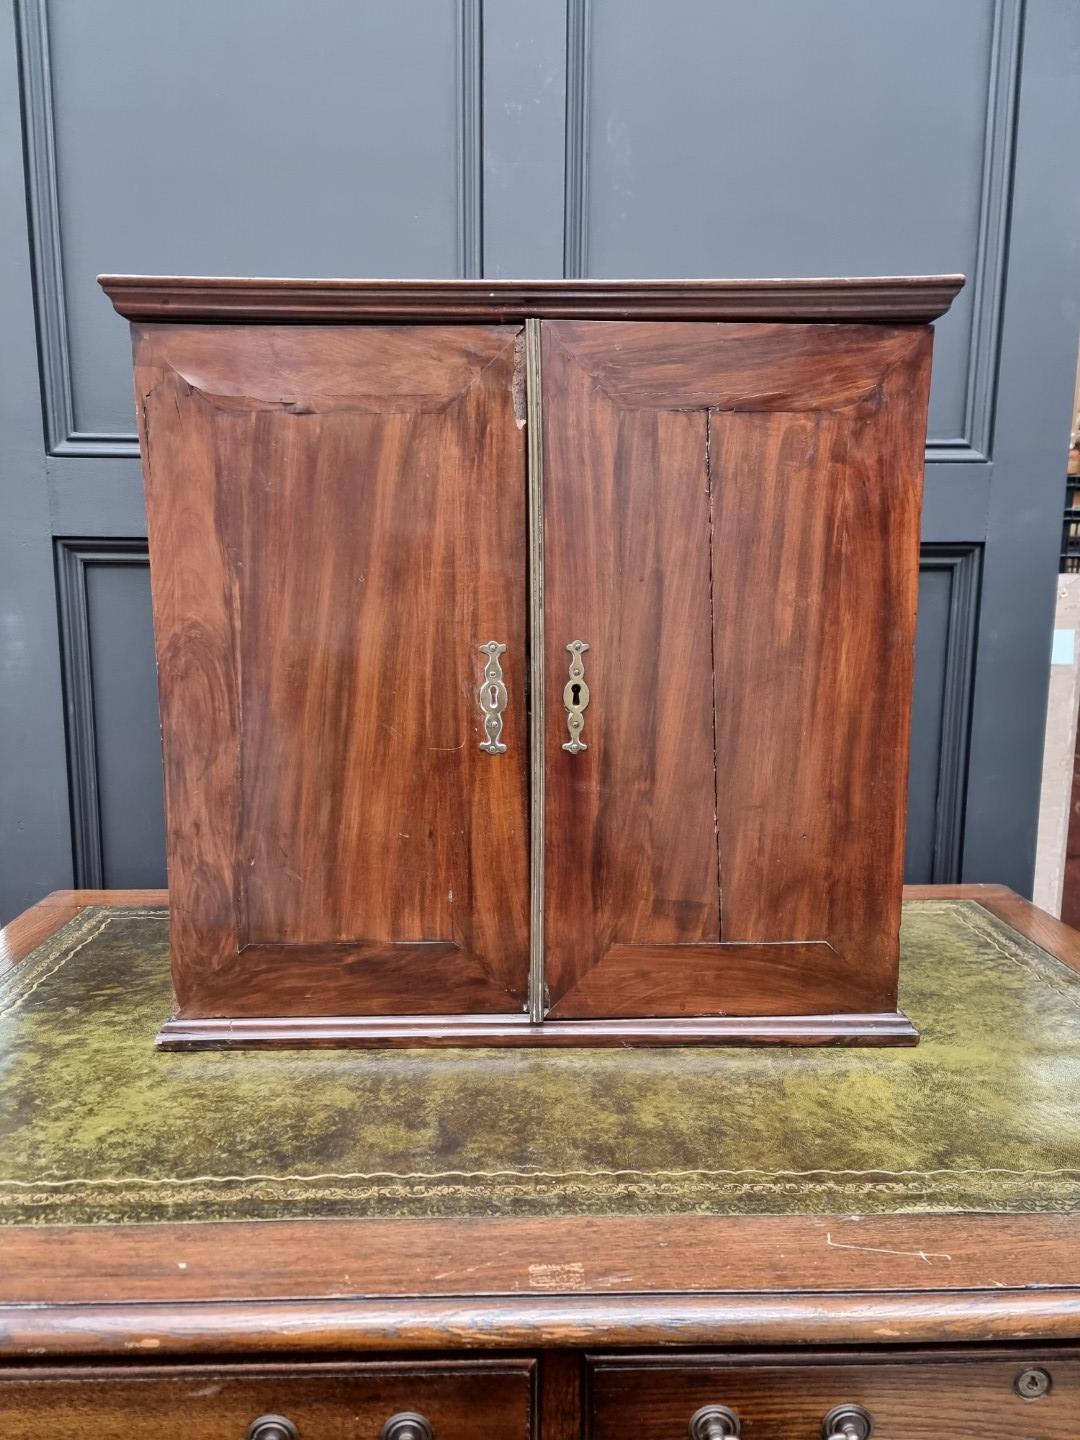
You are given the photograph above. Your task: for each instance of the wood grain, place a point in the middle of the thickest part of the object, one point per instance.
(340, 510)
(121, 899)
(336, 522)
(916, 299)
(327, 1326)
(459, 1398)
(781, 1396)
(816, 519)
(742, 368)
(32, 928)
(624, 495)
(125, 898)
(748, 726)
(22, 936)
(467, 1258)
(562, 1380)
(1046, 930)
(302, 1287)
(787, 978)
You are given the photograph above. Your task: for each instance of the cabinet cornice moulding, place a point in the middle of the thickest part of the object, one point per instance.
(909, 299)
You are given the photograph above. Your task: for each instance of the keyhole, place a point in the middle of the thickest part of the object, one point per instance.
(575, 694)
(494, 693)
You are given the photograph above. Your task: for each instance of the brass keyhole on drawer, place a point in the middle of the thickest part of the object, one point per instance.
(1032, 1384)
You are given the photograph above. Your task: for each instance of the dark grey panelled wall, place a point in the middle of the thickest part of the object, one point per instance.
(527, 137)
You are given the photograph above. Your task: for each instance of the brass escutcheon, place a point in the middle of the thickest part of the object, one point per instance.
(576, 697)
(492, 697)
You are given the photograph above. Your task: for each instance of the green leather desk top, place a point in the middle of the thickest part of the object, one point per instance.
(96, 1126)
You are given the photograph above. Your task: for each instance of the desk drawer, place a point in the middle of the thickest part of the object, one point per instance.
(460, 1399)
(908, 1397)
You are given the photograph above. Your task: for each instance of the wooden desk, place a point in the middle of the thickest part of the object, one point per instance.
(518, 1243)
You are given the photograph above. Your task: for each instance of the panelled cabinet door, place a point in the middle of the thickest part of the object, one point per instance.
(337, 527)
(731, 520)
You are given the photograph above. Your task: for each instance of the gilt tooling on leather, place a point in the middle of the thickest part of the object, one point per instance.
(96, 1126)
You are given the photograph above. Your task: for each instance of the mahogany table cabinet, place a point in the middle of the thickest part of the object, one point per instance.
(567, 1244)
(535, 659)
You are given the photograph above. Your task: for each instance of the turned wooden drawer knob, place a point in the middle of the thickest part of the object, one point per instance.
(713, 1422)
(272, 1427)
(847, 1422)
(407, 1426)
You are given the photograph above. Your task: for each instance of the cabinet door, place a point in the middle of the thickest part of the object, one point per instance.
(731, 527)
(337, 524)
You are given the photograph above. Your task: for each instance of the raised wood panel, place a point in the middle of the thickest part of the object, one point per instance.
(743, 568)
(759, 978)
(625, 492)
(816, 521)
(759, 369)
(333, 539)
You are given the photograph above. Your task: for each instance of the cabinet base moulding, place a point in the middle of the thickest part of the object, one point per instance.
(290, 1032)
